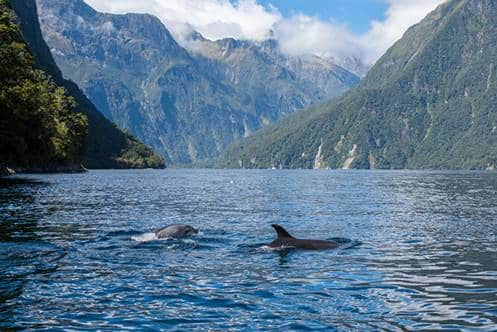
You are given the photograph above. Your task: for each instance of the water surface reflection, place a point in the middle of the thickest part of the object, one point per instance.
(428, 258)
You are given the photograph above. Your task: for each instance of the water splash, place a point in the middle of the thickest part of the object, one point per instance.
(145, 237)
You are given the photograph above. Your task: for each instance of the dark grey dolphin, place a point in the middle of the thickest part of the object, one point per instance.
(175, 231)
(285, 240)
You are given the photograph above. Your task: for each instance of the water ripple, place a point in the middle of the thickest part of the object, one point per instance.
(77, 251)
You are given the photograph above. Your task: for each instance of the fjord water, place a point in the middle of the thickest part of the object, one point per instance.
(428, 258)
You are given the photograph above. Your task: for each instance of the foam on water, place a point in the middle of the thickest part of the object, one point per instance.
(145, 237)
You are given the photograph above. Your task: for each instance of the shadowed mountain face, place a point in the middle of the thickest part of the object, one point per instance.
(188, 104)
(429, 102)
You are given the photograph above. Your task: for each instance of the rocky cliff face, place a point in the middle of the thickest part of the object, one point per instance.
(189, 104)
(429, 102)
(271, 82)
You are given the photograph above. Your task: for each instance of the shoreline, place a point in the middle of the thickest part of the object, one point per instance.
(9, 170)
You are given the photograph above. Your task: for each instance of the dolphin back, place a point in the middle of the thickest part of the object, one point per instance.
(175, 231)
(285, 240)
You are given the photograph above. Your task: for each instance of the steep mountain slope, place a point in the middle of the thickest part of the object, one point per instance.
(106, 145)
(273, 83)
(429, 102)
(186, 105)
(38, 127)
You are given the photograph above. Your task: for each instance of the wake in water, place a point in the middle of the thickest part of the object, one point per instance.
(266, 248)
(346, 243)
(152, 236)
(145, 237)
(171, 243)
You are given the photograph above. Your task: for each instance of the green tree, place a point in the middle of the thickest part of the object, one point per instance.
(37, 122)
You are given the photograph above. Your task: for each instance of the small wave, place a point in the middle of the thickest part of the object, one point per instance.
(341, 240)
(266, 248)
(150, 236)
(145, 237)
(122, 234)
(350, 244)
(263, 248)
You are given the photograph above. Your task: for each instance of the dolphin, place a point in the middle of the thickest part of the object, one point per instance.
(175, 231)
(286, 241)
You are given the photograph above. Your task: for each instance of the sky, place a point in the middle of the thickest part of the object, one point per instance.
(364, 29)
(356, 14)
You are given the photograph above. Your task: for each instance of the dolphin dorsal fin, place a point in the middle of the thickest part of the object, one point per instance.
(282, 233)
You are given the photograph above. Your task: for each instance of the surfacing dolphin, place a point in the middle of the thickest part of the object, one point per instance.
(175, 231)
(286, 241)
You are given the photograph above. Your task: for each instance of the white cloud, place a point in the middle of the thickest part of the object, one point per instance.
(214, 19)
(297, 34)
(301, 34)
(400, 15)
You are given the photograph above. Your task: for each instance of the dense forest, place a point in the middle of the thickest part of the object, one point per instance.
(37, 122)
(46, 122)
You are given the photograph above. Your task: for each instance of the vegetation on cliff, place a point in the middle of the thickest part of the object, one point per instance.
(37, 121)
(429, 102)
(45, 119)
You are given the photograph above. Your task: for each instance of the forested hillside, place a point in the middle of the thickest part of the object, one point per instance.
(429, 102)
(37, 124)
(46, 119)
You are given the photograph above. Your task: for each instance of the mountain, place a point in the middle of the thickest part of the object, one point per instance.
(188, 103)
(106, 146)
(429, 102)
(38, 127)
(249, 66)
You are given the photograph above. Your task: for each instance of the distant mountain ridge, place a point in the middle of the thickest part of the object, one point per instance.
(315, 76)
(189, 105)
(429, 102)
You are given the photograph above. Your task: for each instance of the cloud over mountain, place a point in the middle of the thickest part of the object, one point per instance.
(401, 14)
(297, 34)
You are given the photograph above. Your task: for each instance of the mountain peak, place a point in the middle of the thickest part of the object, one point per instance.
(196, 36)
(88, 27)
(188, 104)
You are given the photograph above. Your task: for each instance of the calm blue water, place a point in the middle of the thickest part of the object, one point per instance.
(428, 258)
